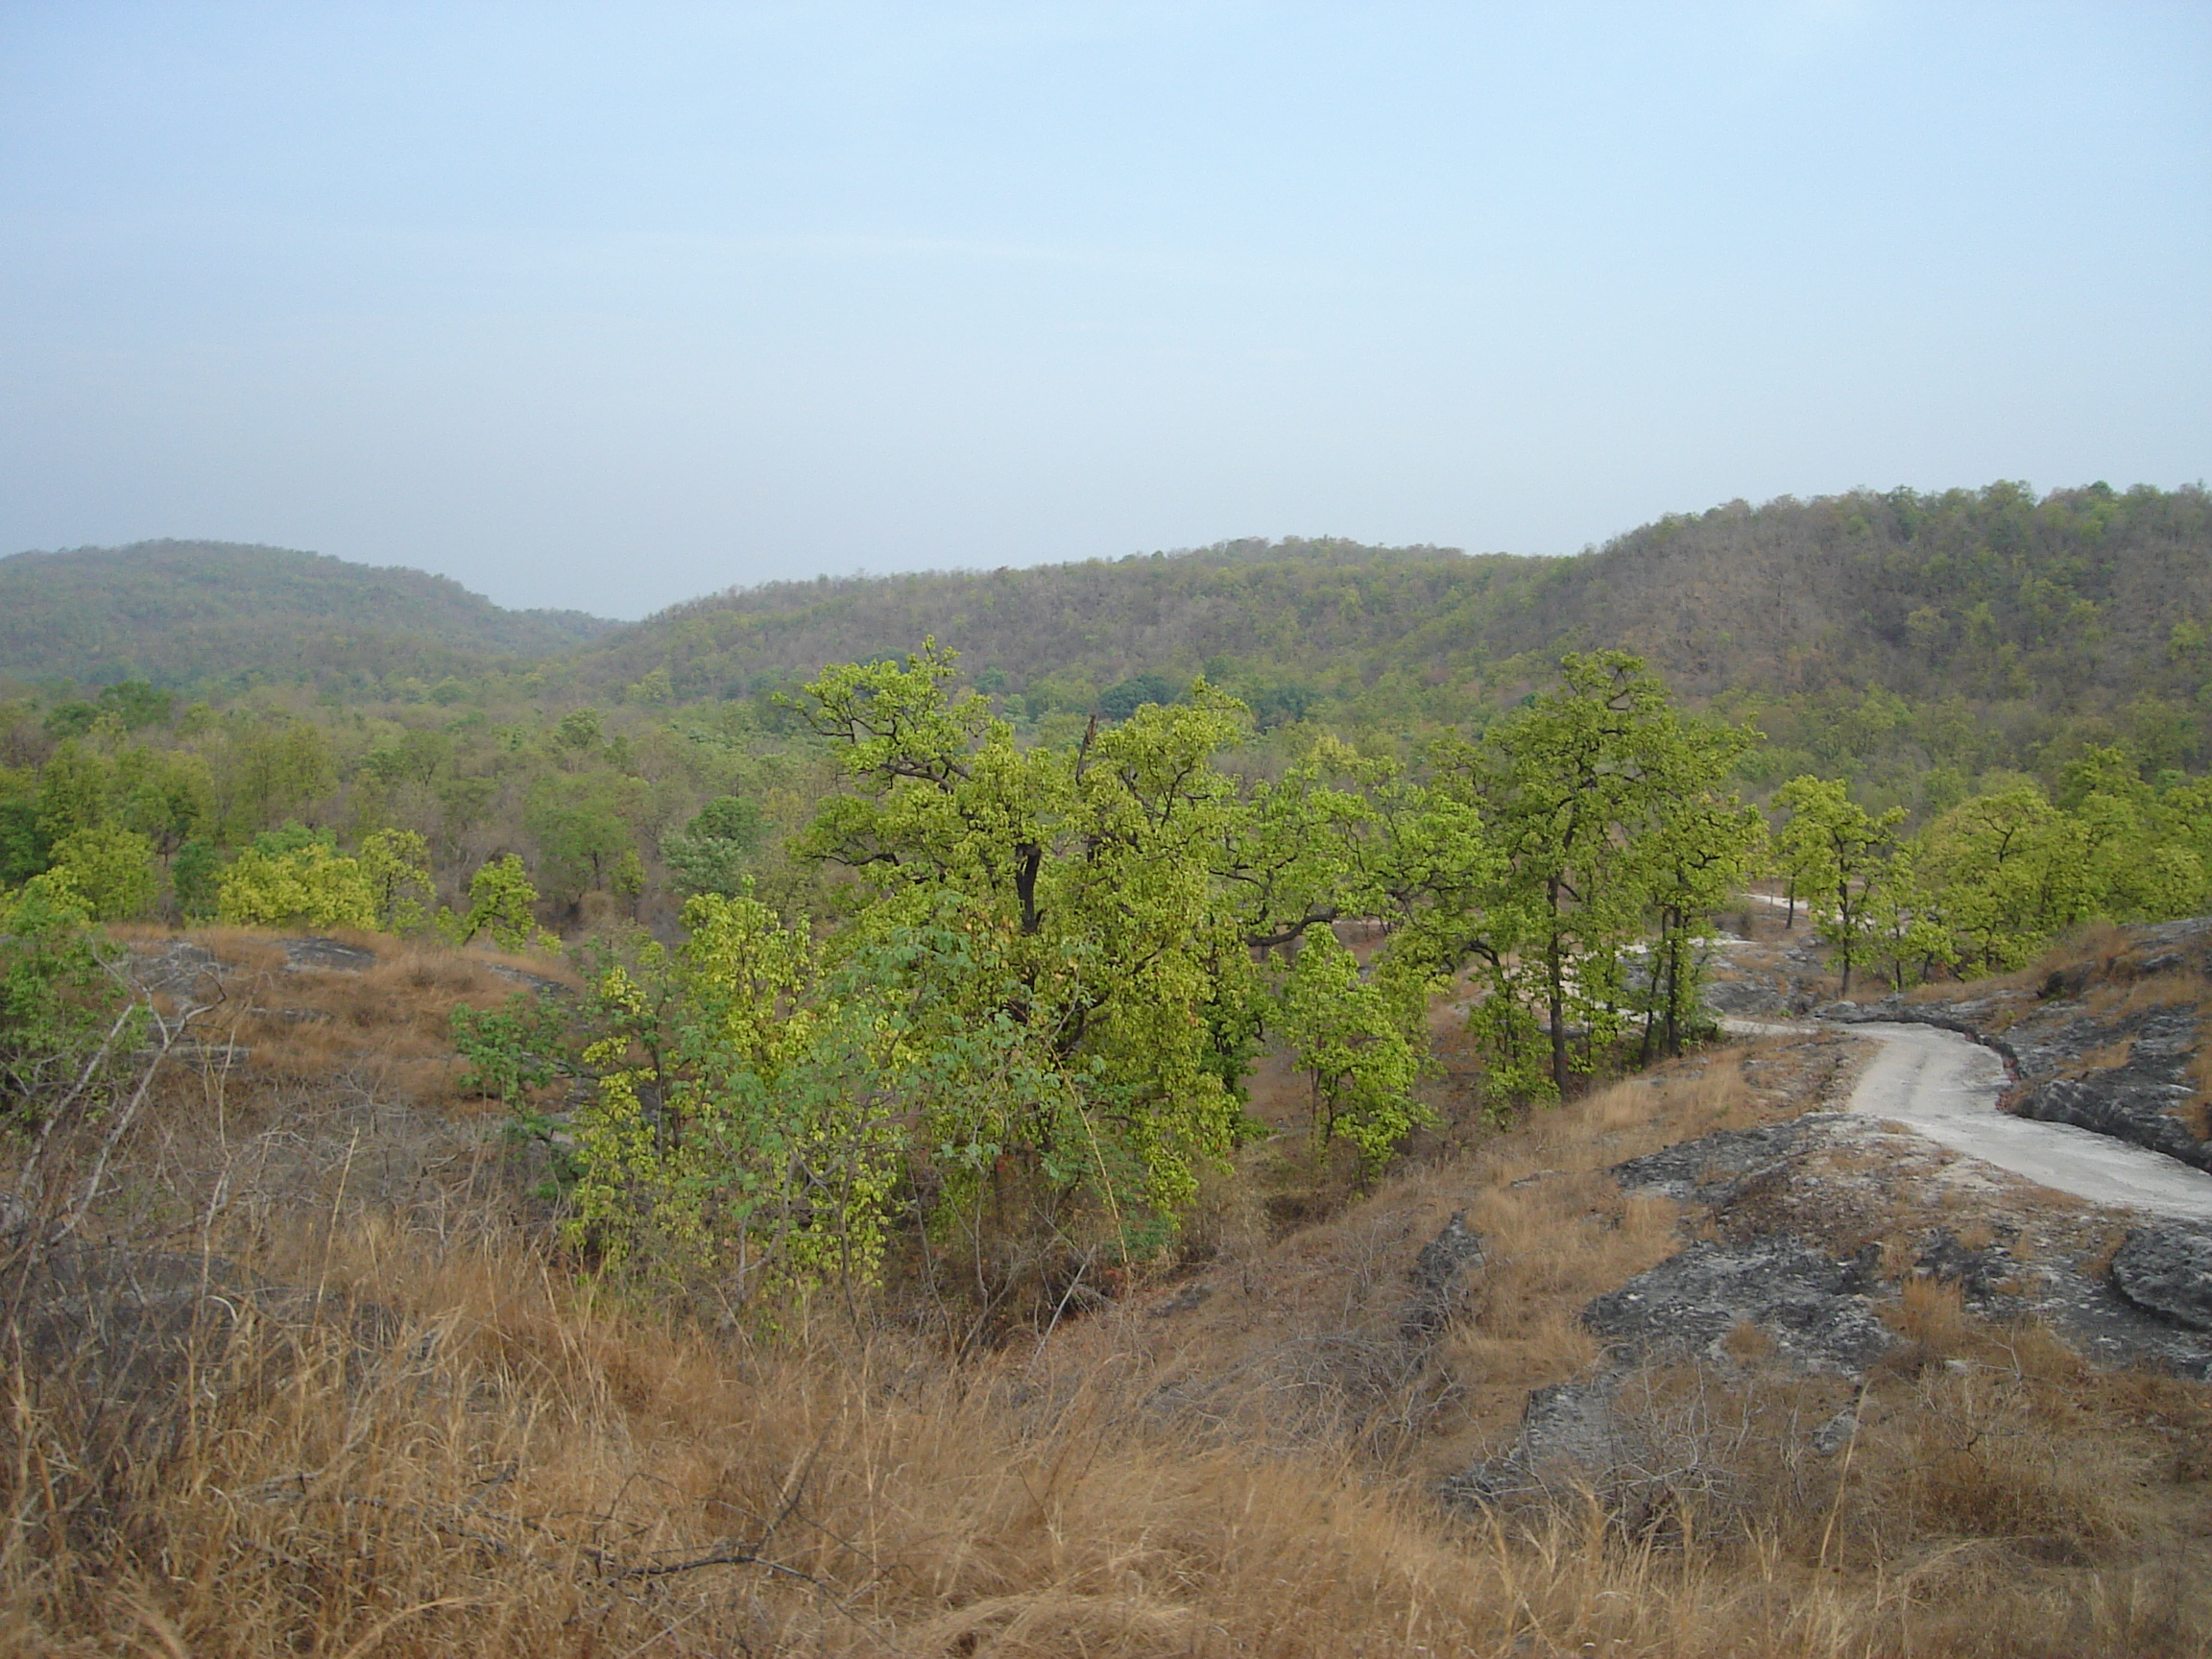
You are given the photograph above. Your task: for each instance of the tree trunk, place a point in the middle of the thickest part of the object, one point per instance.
(1555, 996)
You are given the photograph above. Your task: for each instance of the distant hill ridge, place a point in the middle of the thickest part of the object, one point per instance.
(184, 612)
(2079, 601)
(2077, 597)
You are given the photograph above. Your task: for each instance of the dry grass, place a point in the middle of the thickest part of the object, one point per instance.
(388, 1025)
(516, 1471)
(438, 1443)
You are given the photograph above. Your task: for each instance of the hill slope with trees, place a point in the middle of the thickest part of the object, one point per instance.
(177, 613)
(1965, 630)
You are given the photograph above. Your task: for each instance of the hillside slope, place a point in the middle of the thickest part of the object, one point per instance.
(2082, 600)
(180, 612)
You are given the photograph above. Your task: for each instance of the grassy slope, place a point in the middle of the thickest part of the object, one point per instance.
(181, 612)
(489, 1463)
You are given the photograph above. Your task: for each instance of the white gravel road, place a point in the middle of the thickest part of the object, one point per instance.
(1946, 1087)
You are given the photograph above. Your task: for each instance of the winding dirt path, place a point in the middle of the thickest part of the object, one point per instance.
(1946, 1087)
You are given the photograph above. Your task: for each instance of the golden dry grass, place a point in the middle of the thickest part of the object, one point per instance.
(518, 1471)
(459, 1449)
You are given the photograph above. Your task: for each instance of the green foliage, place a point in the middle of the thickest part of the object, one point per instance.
(276, 768)
(1103, 881)
(502, 903)
(24, 843)
(1605, 805)
(579, 830)
(180, 612)
(1363, 1065)
(137, 704)
(64, 1019)
(295, 876)
(1838, 855)
(515, 1054)
(1119, 702)
(724, 1139)
(112, 869)
(193, 876)
(395, 864)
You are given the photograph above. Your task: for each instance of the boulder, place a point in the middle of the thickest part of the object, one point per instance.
(2167, 1270)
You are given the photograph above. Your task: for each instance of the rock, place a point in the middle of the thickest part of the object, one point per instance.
(1437, 1274)
(1979, 1274)
(2167, 1269)
(1812, 1308)
(2135, 1100)
(1183, 1301)
(1570, 1438)
(1714, 1169)
(1833, 1436)
(328, 954)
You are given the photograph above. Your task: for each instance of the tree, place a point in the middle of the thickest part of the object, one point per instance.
(1116, 891)
(579, 831)
(295, 876)
(501, 903)
(1120, 701)
(1838, 855)
(1697, 850)
(1998, 872)
(714, 851)
(1363, 1064)
(111, 869)
(1573, 788)
(276, 768)
(395, 865)
(193, 876)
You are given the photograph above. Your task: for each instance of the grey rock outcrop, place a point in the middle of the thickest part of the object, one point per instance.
(1438, 1272)
(2167, 1270)
(1813, 1309)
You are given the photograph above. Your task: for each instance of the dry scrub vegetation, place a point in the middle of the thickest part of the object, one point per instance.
(354, 1406)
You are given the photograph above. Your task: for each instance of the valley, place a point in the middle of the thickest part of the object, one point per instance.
(1290, 1098)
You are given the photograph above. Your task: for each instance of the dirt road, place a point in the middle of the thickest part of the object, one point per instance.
(1946, 1087)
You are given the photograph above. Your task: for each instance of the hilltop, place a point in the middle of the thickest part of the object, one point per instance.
(2087, 603)
(177, 613)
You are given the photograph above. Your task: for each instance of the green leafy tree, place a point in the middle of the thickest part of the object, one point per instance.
(275, 769)
(578, 829)
(2002, 873)
(502, 903)
(1119, 702)
(296, 878)
(1699, 847)
(168, 796)
(1116, 890)
(1576, 789)
(1341, 1031)
(395, 865)
(715, 853)
(706, 1151)
(193, 875)
(74, 789)
(112, 869)
(24, 844)
(1837, 854)
(1906, 929)
(66, 1022)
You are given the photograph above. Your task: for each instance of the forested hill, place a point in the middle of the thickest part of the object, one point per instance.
(2080, 599)
(1059, 633)
(181, 613)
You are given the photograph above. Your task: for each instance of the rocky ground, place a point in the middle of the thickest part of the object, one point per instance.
(1804, 1229)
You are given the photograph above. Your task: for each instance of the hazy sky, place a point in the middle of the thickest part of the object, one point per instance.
(610, 305)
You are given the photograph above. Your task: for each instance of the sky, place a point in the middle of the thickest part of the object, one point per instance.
(608, 306)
